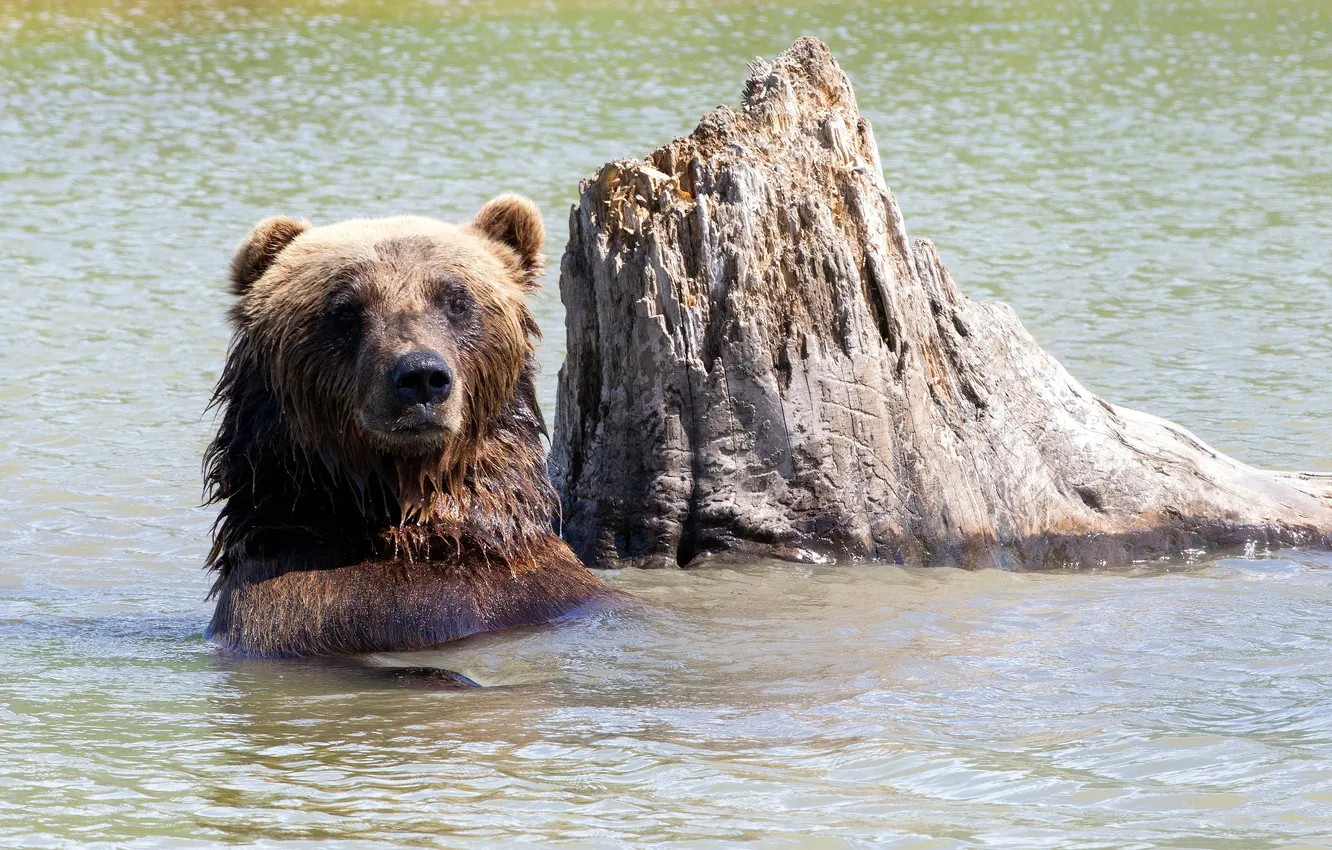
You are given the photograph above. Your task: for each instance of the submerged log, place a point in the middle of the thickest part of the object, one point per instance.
(759, 359)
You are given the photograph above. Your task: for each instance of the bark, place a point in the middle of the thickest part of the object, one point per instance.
(760, 359)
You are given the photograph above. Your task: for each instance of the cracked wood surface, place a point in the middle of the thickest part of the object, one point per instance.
(760, 360)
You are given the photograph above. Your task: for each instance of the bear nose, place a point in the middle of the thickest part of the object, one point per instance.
(421, 377)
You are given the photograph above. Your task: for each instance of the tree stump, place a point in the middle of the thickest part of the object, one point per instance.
(760, 360)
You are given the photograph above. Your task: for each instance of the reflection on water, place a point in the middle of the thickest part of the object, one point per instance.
(1147, 185)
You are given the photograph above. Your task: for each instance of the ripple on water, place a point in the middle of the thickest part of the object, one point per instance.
(1148, 190)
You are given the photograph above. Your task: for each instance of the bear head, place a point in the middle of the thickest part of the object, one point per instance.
(399, 338)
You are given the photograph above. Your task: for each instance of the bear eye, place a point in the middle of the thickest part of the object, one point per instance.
(343, 318)
(456, 301)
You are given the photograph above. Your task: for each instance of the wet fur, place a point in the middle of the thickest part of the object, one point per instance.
(329, 540)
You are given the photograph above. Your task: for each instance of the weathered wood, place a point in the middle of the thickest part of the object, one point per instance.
(760, 359)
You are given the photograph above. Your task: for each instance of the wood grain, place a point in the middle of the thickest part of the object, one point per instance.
(760, 360)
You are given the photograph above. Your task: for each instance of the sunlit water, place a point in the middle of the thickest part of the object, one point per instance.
(1147, 184)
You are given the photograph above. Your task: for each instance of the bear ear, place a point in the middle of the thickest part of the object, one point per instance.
(515, 221)
(254, 255)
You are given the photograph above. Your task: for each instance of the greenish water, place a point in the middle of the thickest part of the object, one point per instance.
(1148, 184)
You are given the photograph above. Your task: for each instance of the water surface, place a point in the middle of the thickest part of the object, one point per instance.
(1147, 184)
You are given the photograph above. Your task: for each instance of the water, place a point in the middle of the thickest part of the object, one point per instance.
(1146, 184)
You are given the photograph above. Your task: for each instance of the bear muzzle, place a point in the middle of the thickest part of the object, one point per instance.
(411, 408)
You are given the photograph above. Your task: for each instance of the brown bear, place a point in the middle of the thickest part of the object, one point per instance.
(379, 459)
